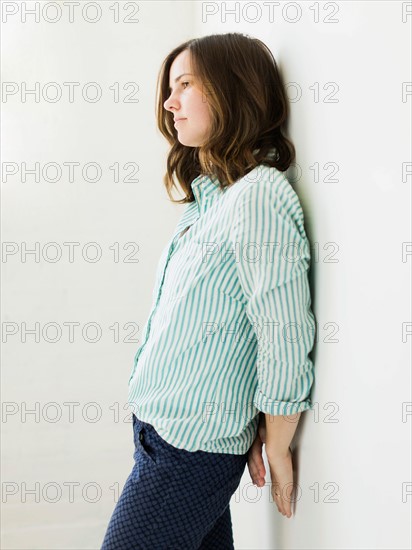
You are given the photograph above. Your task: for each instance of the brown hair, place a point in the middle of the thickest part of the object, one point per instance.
(248, 106)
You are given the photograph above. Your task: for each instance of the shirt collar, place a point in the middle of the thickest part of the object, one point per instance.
(205, 188)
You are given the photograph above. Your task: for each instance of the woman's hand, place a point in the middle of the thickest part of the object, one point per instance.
(281, 470)
(255, 462)
(281, 473)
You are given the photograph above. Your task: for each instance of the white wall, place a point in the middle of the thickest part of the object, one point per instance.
(353, 452)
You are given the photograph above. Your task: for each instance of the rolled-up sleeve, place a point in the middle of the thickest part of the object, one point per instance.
(273, 258)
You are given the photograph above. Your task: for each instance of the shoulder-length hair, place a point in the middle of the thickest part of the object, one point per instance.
(248, 106)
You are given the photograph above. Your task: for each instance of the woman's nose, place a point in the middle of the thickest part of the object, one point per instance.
(171, 102)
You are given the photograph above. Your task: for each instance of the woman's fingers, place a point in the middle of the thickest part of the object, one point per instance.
(281, 473)
(256, 465)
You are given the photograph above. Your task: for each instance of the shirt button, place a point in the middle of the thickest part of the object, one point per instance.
(141, 436)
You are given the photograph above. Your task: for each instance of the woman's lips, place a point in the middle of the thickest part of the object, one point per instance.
(179, 120)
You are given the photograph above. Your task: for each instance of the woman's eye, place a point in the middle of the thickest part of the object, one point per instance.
(182, 83)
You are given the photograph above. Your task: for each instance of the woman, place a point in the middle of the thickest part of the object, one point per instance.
(223, 366)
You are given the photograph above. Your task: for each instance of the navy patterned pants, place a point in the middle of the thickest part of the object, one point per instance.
(173, 498)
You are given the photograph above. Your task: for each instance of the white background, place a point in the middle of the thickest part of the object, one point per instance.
(353, 450)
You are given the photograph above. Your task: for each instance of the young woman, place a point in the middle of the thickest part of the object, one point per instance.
(223, 365)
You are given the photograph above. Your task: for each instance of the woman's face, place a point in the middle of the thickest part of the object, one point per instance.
(188, 102)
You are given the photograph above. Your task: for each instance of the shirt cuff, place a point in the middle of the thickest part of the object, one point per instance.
(274, 407)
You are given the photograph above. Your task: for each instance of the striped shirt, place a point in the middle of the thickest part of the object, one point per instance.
(231, 326)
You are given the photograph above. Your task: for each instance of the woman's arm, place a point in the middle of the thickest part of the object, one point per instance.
(279, 434)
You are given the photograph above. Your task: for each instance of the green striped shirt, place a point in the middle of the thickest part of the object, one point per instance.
(230, 326)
